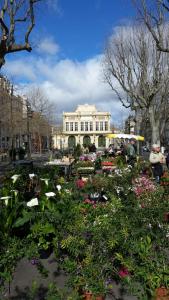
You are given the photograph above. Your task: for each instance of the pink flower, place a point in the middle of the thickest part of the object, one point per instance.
(123, 272)
(87, 201)
(143, 185)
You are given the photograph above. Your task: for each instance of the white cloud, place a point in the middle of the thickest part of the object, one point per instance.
(48, 46)
(68, 83)
(18, 68)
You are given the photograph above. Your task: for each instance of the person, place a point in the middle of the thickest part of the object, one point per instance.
(111, 151)
(92, 148)
(131, 152)
(157, 159)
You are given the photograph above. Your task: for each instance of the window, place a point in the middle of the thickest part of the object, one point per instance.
(101, 141)
(76, 126)
(106, 125)
(71, 126)
(97, 126)
(91, 126)
(82, 126)
(101, 126)
(67, 126)
(86, 126)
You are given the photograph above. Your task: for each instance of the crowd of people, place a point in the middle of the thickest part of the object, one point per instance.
(128, 151)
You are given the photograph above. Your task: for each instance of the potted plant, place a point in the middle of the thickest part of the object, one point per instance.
(162, 293)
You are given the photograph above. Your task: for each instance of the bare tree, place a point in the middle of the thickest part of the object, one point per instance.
(43, 115)
(138, 74)
(155, 15)
(14, 13)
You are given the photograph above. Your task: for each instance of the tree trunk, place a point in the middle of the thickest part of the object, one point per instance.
(2, 61)
(40, 144)
(155, 128)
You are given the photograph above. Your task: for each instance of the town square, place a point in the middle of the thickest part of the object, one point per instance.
(84, 150)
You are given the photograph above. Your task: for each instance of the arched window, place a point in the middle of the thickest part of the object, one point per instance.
(101, 141)
(86, 141)
(71, 141)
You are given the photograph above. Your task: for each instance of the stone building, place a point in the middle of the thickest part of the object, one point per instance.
(86, 126)
(11, 116)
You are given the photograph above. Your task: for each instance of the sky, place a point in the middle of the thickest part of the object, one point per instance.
(68, 47)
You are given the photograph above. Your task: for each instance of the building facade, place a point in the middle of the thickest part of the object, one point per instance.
(19, 125)
(86, 126)
(11, 116)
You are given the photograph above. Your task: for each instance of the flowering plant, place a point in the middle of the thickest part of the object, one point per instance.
(143, 185)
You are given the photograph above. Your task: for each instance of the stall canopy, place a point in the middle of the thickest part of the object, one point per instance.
(125, 136)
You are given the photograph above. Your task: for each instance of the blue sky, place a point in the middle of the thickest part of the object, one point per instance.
(68, 44)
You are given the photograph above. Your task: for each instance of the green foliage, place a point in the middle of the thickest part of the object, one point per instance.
(77, 151)
(92, 242)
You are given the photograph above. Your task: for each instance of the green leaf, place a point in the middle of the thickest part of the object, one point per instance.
(22, 220)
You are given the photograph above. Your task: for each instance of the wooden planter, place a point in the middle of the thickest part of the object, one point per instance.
(100, 298)
(165, 179)
(162, 294)
(90, 296)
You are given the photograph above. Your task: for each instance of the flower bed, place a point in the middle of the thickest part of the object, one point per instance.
(95, 243)
(85, 170)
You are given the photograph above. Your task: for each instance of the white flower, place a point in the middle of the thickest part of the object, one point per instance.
(15, 192)
(46, 180)
(85, 179)
(149, 225)
(15, 177)
(50, 194)
(6, 198)
(31, 175)
(32, 202)
(58, 187)
(167, 235)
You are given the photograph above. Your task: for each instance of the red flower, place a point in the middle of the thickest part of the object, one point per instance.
(107, 163)
(124, 272)
(80, 184)
(166, 216)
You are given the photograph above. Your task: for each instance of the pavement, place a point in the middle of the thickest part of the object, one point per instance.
(27, 274)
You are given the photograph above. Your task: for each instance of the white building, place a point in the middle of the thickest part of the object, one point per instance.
(86, 126)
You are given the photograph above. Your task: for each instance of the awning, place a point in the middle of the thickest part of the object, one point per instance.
(125, 136)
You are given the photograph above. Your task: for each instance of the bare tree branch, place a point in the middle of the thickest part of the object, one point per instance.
(155, 19)
(135, 69)
(12, 13)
